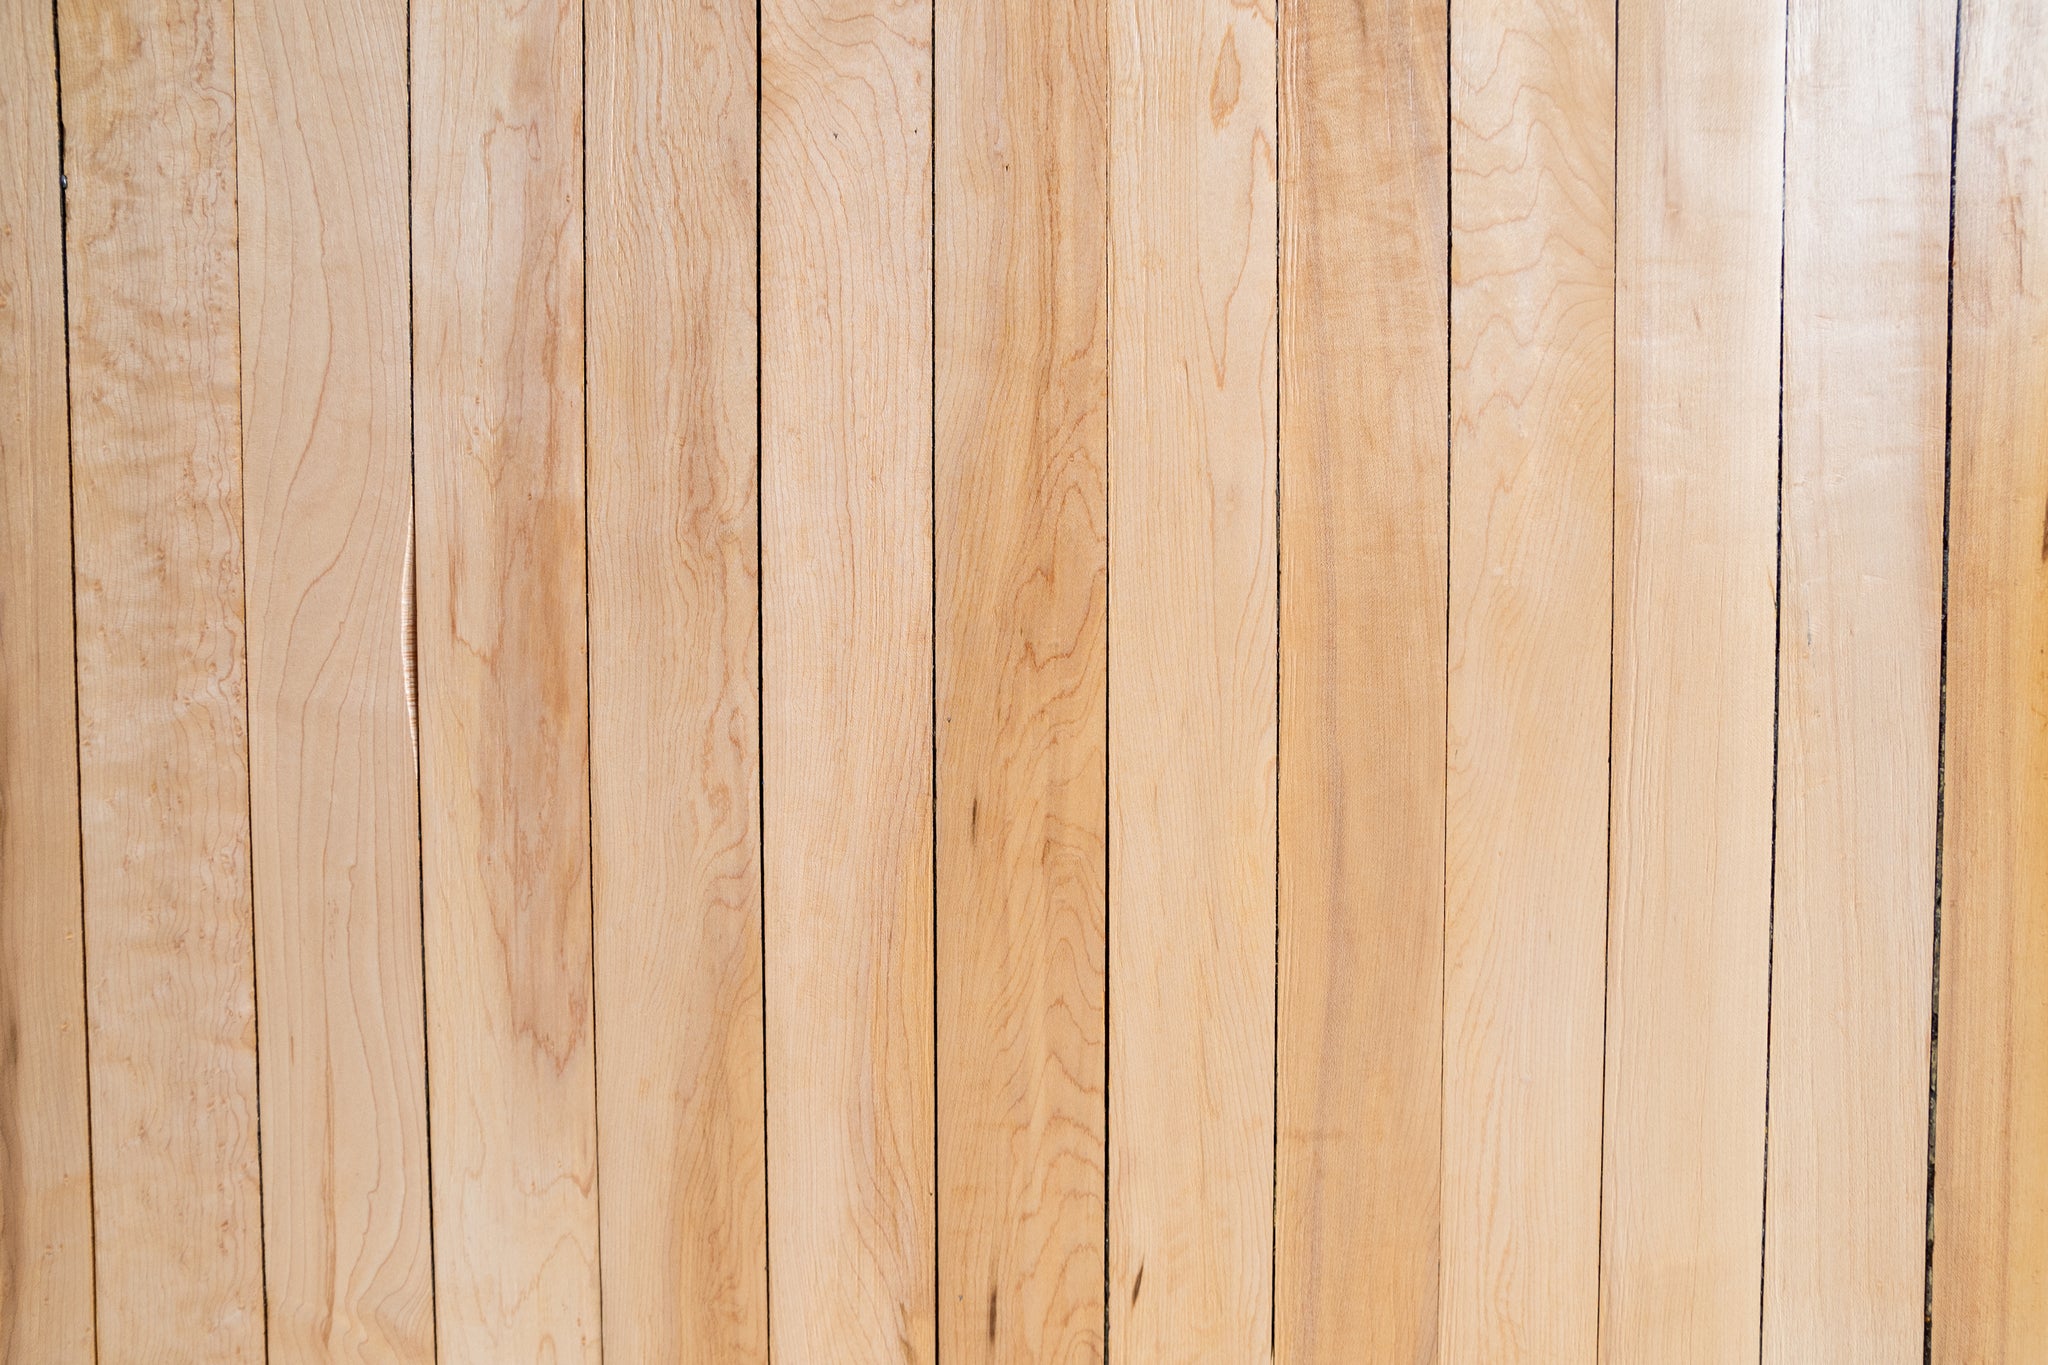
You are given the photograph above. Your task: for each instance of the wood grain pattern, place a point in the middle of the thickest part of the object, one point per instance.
(674, 653)
(46, 1287)
(498, 375)
(1532, 280)
(1192, 638)
(846, 587)
(1364, 449)
(1867, 124)
(1991, 1163)
(327, 456)
(1701, 134)
(149, 126)
(1022, 562)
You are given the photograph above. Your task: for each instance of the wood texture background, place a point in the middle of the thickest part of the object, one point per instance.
(1023, 681)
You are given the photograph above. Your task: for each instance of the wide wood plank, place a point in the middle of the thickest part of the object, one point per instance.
(1364, 447)
(1192, 640)
(1022, 562)
(46, 1289)
(327, 455)
(149, 127)
(1701, 99)
(846, 594)
(1991, 1159)
(674, 652)
(1532, 281)
(1866, 281)
(498, 373)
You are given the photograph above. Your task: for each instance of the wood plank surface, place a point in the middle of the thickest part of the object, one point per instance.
(846, 597)
(1021, 619)
(1193, 612)
(149, 129)
(1866, 267)
(674, 654)
(1990, 1268)
(498, 376)
(1532, 299)
(1364, 447)
(1701, 136)
(46, 1285)
(327, 456)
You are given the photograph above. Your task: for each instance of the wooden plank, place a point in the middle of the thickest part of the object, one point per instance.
(327, 455)
(1193, 641)
(498, 375)
(1022, 600)
(1991, 1160)
(674, 653)
(149, 127)
(1532, 281)
(1867, 129)
(1701, 136)
(46, 1288)
(1364, 447)
(846, 591)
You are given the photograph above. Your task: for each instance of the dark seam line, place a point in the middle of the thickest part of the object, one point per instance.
(589, 679)
(1279, 596)
(1941, 724)
(419, 733)
(1108, 112)
(1443, 970)
(248, 756)
(1613, 513)
(1777, 682)
(761, 732)
(77, 737)
(932, 587)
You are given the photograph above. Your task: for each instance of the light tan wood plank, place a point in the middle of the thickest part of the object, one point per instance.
(149, 126)
(1991, 1161)
(327, 455)
(846, 585)
(498, 376)
(1022, 548)
(674, 720)
(1364, 446)
(1701, 135)
(1192, 643)
(1532, 280)
(46, 1288)
(1866, 267)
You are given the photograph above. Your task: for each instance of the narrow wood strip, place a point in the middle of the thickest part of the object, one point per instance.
(1022, 546)
(498, 371)
(46, 1286)
(149, 128)
(1364, 449)
(1991, 1162)
(327, 455)
(1193, 633)
(1701, 136)
(1866, 305)
(846, 591)
(1532, 366)
(674, 647)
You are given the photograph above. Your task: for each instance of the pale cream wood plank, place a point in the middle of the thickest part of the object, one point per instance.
(1532, 367)
(46, 1288)
(1701, 137)
(1192, 644)
(1022, 548)
(846, 590)
(1991, 1162)
(1866, 284)
(498, 376)
(1363, 447)
(674, 721)
(327, 456)
(149, 128)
